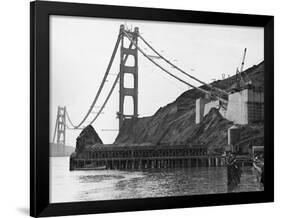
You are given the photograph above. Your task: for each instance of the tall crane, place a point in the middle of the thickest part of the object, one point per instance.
(243, 60)
(242, 76)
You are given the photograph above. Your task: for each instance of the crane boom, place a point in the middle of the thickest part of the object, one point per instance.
(243, 60)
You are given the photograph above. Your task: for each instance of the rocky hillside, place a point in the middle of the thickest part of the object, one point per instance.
(87, 138)
(174, 124)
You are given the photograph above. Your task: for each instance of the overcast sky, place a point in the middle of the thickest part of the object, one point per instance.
(80, 49)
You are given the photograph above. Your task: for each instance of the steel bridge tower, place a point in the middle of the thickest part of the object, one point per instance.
(60, 127)
(124, 69)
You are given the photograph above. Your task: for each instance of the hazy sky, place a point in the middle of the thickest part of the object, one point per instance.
(80, 49)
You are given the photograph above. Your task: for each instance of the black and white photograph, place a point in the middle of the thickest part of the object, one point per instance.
(140, 108)
(145, 109)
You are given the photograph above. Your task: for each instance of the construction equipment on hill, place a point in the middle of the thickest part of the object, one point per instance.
(242, 79)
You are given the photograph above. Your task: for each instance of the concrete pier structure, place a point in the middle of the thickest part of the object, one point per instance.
(243, 107)
(204, 105)
(199, 109)
(246, 106)
(214, 104)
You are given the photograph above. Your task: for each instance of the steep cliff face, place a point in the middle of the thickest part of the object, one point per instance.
(174, 124)
(87, 138)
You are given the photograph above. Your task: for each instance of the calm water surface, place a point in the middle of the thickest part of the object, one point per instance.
(91, 185)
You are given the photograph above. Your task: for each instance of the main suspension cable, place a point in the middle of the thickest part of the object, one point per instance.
(68, 118)
(158, 65)
(112, 88)
(118, 75)
(54, 136)
(107, 98)
(179, 69)
(101, 85)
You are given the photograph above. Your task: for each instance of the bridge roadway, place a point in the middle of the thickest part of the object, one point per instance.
(145, 157)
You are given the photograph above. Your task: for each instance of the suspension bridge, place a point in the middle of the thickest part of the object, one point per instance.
(64, 121)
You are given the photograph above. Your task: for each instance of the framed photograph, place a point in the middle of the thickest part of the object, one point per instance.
(142, 109)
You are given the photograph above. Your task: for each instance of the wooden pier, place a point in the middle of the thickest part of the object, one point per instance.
(144, 157)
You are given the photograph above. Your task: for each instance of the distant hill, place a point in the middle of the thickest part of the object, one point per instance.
(58, 150)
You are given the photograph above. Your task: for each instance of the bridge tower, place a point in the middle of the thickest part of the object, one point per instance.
(60, 126)
(124, 69)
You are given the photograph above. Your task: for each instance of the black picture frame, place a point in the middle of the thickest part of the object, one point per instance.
(39, 107)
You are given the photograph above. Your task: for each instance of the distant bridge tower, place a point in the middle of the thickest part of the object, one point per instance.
(124, 69)
(60, 126)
